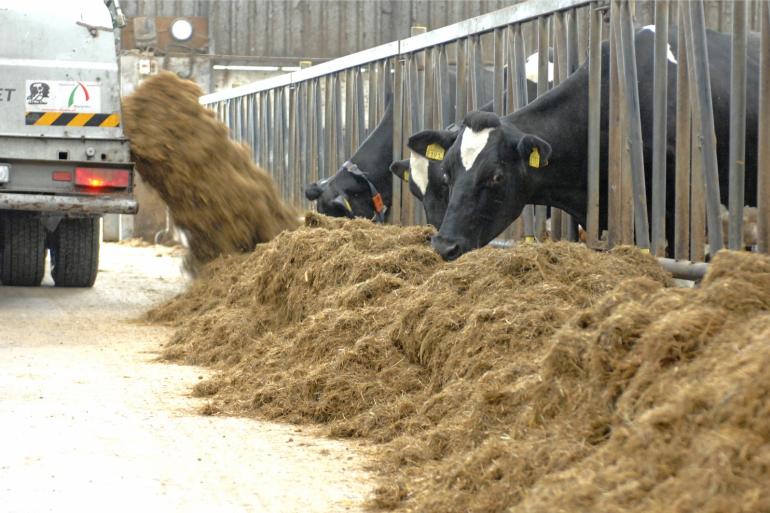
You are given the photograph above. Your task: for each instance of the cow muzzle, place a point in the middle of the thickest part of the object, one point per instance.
(448, 249)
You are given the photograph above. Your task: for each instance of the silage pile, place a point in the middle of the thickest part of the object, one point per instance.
(545, 378)
(214, 191)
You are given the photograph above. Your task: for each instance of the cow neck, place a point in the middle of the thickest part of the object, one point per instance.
(375, 154)
(559, 117)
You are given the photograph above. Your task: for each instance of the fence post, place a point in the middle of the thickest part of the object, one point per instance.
(630, 85)
(763, 164)
(737, 126)
(659, 132)
(708, 143)
(594, 123)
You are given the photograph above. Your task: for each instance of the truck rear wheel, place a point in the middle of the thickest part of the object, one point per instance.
(22, 249)
(75, 252)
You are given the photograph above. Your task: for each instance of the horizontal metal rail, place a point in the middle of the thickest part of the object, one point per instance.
(479, 25)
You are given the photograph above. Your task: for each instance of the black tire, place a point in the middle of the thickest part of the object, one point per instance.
(22, 249)
(75, 252)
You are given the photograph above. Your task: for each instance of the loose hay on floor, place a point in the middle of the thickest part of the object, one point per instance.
(544, 378)
(214, 191)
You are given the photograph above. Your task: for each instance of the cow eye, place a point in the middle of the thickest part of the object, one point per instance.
(445, 179)
(497, 178)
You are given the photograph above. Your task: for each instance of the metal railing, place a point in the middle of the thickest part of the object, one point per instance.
(301, 126)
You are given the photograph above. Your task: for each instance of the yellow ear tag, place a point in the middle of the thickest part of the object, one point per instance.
(406, 176)
(434, 152)
(347, 205)
(534, 158)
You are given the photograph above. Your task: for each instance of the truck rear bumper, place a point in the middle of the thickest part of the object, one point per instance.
(69, 204)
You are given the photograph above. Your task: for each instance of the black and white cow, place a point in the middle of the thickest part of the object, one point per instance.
(347, 194)
(537, 155)
(423, 169)
(350, 194)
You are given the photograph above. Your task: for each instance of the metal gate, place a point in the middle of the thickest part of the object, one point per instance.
(303, 125)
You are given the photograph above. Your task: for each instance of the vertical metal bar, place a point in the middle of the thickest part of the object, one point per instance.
(360, 110)
(271, 123)
(415, 98)
(461, 107)
(697, 185)
(398, 115)
(510, 62)
(350, 115)
(278, 138)
(737, 126)
(285, 139)
(339, 123)
(522, 98)
(560, 74)
(448, 107)
(258, 113)
(479, 98)
(630, 83)
(497, 103)
(568, 226)
(615, 225)
(683, 138)
(499, 85)
(475, 83)
(428, 89)
(659, 124)
(542, 86)
(594, 122)
(708, 144)
(314, 113)
(439, 113)
(291, 149)
(328, 140)
(371, 97)
(763, 164)
(573, 58)
(517, 229)
(319, 128)
(302, 172)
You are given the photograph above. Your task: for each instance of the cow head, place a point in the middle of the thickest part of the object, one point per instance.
(348, 195)
(423, 171)
(489, 171)
(342, 195)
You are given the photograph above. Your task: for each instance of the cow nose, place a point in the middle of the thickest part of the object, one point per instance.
(447, 249)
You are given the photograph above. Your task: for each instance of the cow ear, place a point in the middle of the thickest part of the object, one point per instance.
(400, 168)
(313, 191)
(432, 144)
(343, 202)
(534, 151)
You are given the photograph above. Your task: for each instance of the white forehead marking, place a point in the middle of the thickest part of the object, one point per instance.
(473, 143)
(670, 54)
(418, 170)
(531, 68)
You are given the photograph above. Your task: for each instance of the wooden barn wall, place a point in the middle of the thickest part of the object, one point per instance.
(331, 28)
(311, 28)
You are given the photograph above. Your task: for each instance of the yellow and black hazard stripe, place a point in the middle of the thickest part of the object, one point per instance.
(72, 119)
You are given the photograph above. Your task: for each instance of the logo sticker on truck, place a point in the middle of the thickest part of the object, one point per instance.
(66, 103)
(63, 96)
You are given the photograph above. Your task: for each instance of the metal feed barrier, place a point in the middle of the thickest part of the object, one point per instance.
(302, 126)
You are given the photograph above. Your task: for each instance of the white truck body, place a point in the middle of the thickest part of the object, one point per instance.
(64, 160)
(60, 106)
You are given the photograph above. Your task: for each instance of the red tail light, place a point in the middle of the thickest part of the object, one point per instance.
(93, 177)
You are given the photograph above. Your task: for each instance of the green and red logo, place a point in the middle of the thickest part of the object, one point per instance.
(79, 85)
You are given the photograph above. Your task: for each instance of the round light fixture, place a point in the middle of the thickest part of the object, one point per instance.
(181, 30)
